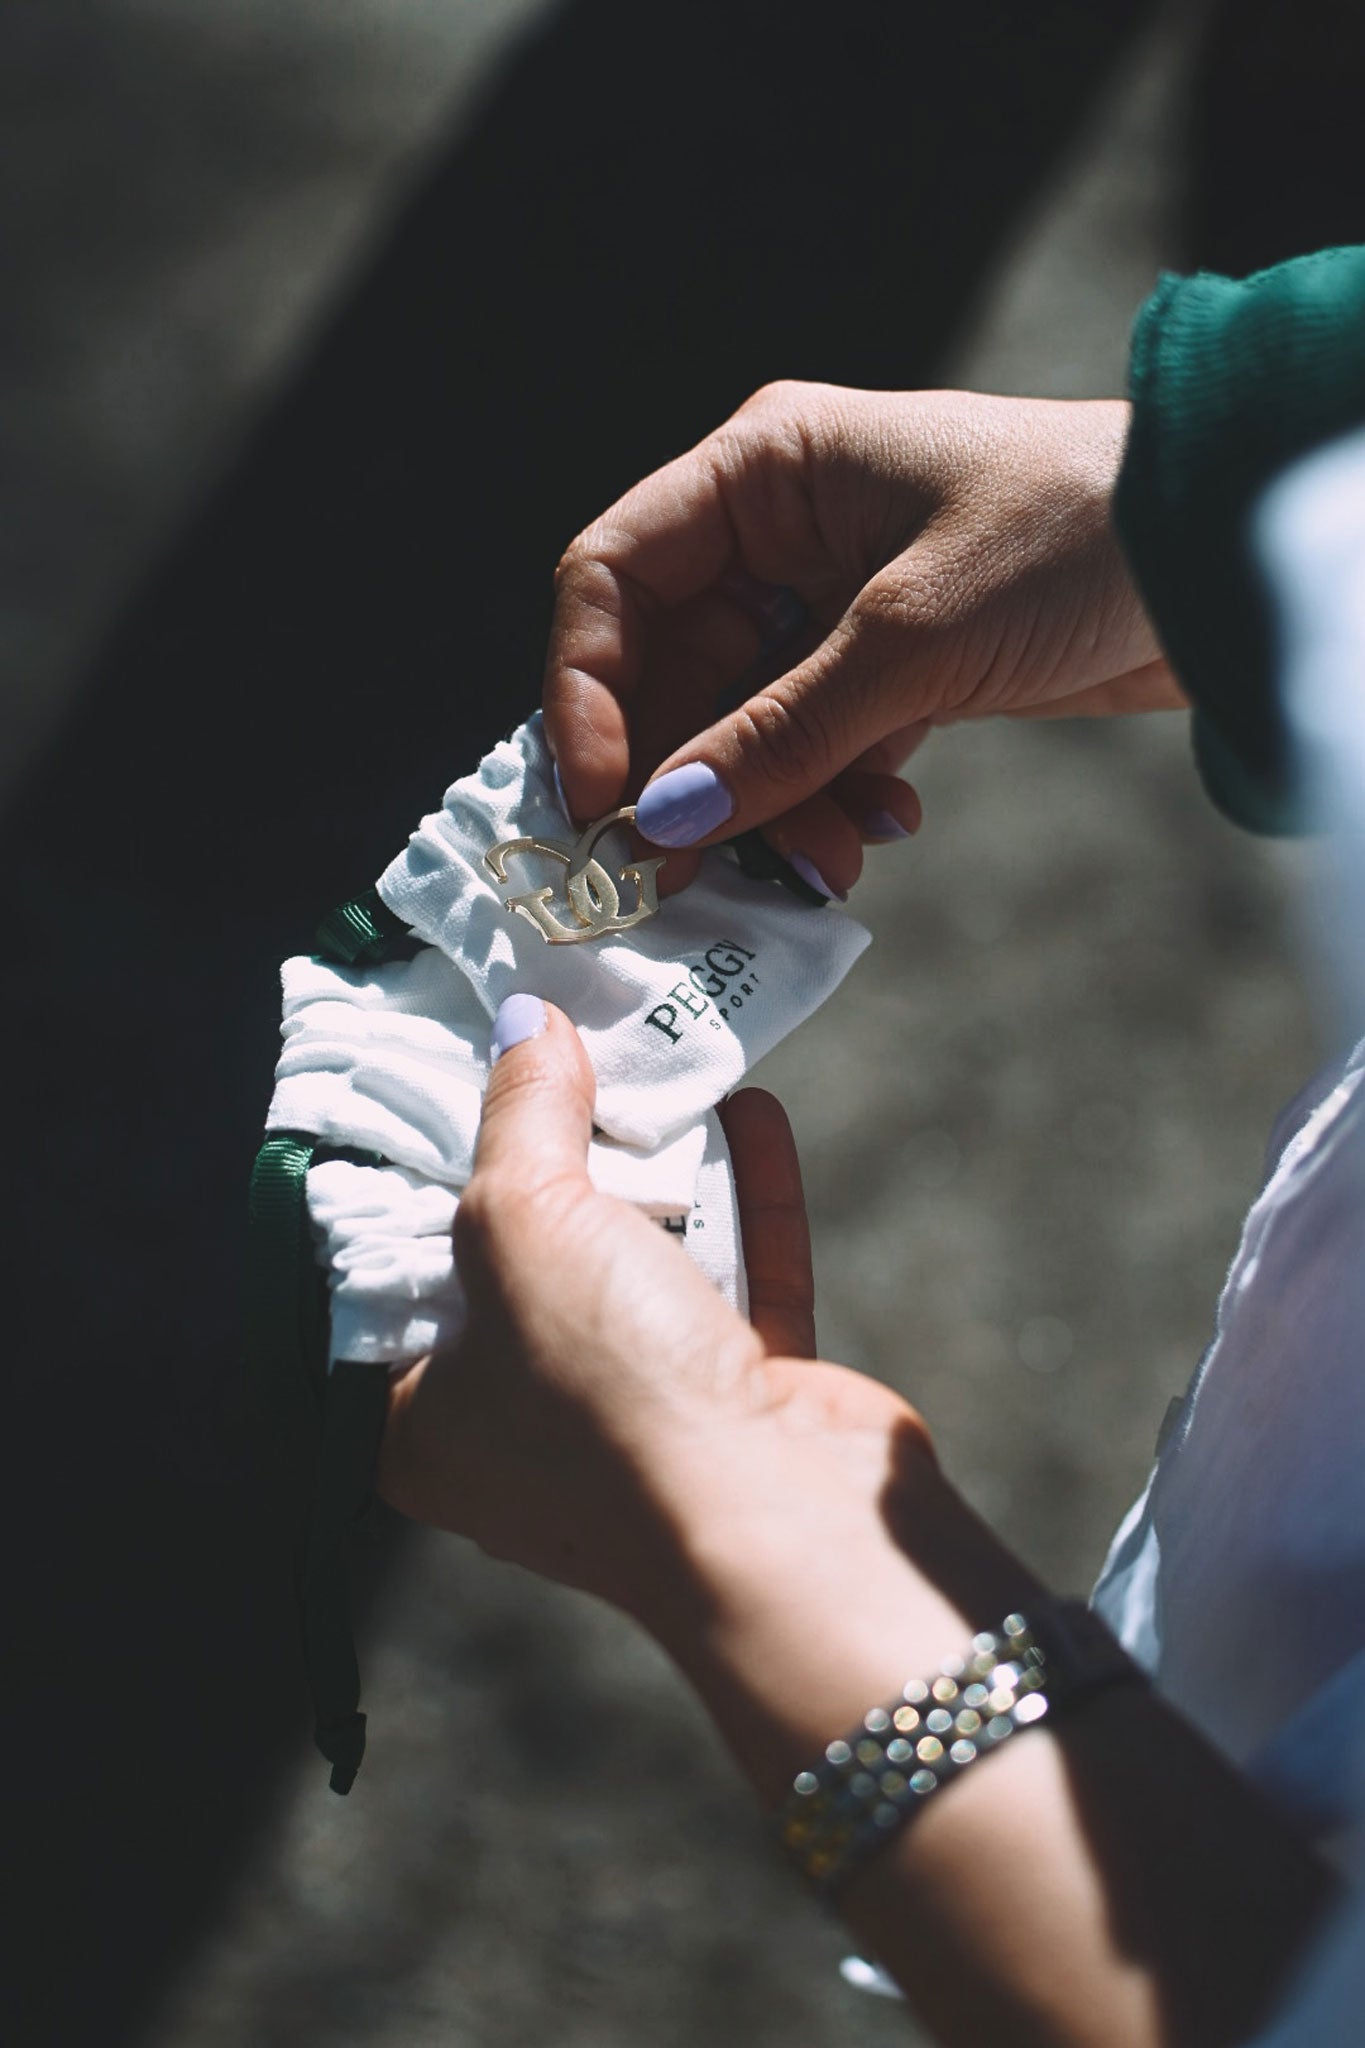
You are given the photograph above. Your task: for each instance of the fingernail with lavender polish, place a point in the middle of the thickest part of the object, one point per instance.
(881, 825)
(518, 1018)
(812, 877)
(683, 806)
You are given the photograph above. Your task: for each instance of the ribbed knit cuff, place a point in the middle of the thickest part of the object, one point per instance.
(1230, 381)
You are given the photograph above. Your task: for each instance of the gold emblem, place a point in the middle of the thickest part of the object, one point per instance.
(593, 897)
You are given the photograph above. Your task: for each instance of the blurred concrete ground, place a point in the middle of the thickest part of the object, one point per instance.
(1030, 1121)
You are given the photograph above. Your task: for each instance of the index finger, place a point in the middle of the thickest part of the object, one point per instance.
(667, 540)
(773, 1222)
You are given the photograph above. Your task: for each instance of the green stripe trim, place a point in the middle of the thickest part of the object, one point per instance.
(362, 932)
(326, 1427)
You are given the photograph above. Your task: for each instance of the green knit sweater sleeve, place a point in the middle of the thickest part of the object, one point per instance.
(1231, 380)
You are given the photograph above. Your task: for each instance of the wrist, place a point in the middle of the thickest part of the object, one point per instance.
(809, 1577)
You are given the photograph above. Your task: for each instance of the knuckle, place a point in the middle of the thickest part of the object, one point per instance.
(922, 594)
(574, 561)
(496, 1202)
(783, 737)
(476, 1220)
(782, 394)
(886, 608)
(774, 433)
(589, 580)
(893, 629)
(778, 416)
(804, 419)
(525, 1072)
(501, 1212)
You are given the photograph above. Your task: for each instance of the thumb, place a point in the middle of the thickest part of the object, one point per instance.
(783, 744)
(537, 1112)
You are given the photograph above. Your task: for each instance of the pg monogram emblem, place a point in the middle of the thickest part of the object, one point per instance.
(594, 900)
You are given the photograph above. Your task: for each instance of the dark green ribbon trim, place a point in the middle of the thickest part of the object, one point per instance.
(286, 1304)
(327, 1427)
(361, 932)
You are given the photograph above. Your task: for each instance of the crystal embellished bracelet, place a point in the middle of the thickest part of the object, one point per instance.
(875, 1778)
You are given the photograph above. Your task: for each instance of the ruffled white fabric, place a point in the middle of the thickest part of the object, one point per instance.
(674, 1011)
(394, 1060)
(386, 1236)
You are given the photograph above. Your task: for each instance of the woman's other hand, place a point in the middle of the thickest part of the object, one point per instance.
(783, 1531)
(603, 1395)
(922, 557)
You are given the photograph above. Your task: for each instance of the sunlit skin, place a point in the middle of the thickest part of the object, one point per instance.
(955, 559)
(778, 1522)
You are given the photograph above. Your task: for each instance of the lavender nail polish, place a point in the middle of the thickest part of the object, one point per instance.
(812, 877)
(519, 1018)
(683, 806)
(881, 825)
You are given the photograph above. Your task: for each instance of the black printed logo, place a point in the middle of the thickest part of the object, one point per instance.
(717, 986)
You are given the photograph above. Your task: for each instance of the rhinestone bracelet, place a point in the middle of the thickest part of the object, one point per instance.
(872, 1780)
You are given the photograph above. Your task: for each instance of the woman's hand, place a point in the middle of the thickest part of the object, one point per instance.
(602, 1386)
(781, 1528)
(952, 555)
